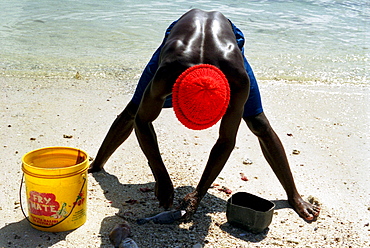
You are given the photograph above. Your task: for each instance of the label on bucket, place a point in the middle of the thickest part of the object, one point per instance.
(43, 204)
(46, 204)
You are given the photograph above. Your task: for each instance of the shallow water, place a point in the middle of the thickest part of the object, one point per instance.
(305, 40)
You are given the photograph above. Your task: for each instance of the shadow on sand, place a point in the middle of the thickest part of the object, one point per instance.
(133, 204)
(21, 234)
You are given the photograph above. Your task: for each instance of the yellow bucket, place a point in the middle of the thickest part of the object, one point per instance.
(56, 188)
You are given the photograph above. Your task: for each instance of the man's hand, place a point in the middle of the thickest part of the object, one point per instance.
(164, 192)
(190, 204)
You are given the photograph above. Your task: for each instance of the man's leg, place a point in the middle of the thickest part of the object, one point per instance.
(274, 153)
(117, 134)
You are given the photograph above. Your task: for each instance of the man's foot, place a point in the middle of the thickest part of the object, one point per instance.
(94, 168)
(304, 209)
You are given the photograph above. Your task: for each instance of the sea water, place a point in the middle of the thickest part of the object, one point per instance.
(294, 40)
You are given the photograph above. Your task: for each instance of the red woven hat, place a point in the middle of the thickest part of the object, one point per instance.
(200, 96)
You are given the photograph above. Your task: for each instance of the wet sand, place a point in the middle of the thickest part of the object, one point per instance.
(327, 124)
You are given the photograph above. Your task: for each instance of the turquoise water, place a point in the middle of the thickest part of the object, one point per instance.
(301, 40)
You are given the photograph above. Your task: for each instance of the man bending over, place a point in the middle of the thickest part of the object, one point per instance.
(201, 71)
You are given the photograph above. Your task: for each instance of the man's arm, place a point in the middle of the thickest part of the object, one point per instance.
(221, 150)
(149, 109)
(225, 143)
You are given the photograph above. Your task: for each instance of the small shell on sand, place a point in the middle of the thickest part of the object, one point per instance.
(296, 152)
(247, 161)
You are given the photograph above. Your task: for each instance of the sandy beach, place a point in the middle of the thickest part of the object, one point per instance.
(327, 123)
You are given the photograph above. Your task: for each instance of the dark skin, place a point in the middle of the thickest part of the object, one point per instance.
(200, 38)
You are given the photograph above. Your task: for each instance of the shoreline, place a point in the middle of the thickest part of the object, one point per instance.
(327, 123)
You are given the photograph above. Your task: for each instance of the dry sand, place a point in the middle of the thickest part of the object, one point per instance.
(328, 124)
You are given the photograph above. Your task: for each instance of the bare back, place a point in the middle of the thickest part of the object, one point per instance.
(201, 37)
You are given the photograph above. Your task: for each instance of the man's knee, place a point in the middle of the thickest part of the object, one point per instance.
(258, 124)
(129, 112)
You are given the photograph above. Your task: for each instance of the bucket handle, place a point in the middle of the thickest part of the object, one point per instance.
(27, 218)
